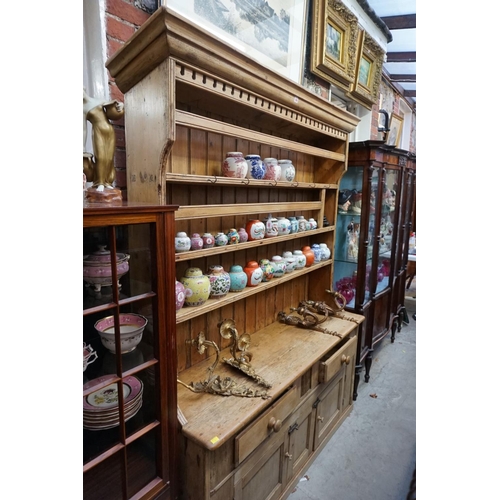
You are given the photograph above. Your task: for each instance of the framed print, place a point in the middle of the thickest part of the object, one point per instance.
(272, 33)
(369, 63)
(395, 128)
(334, 38)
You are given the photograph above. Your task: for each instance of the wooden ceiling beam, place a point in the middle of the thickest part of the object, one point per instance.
(403, 78)
(401, 57)
(410, 93)
(406, 21)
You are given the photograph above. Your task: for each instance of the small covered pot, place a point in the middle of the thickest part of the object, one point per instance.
(97, 268)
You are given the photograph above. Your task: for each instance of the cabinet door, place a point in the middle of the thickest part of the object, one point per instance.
(264, 475)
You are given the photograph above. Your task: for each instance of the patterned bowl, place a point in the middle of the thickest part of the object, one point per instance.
(131, 328)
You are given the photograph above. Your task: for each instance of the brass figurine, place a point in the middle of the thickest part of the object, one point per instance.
(215, 384)
(99, 168)
(241, 357)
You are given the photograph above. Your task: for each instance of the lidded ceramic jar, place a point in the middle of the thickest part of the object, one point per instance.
(238, 278)
(317, 253)
(256, 230)
(234, 165)
(196, 242)
(97, 267)
(220, 239)
(182, 242)
(271, 226)
(197, 286)
(256, 168)
(208, 240)
(300, 259)
(273, 169)
(243, 235)
(314, 224)
(294, 224)
(279, 266)
(253, 272)
(284, 226)
(219, 281)
(267, 269)
(302, 223)
(307, 251)
(287, 170)
(290, 260)
(180, 295)
(232, 237)
(325, 251)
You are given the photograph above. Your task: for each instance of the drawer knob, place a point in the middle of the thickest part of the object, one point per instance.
(287, 455)
(320, 419)
(345, 359)
(274, 424)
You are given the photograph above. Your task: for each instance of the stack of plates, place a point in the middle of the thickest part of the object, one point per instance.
(100, 408)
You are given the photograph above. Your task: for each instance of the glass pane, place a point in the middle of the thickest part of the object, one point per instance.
(141, 461)
(104, 480)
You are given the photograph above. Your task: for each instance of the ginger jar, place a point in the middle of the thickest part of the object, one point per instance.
(238, 278)
(294, 225)
(300, 259)
(317, 253)
(234, 165)
(284, 226)
(219, 281)
(208, 240)
(301, 223)
(243, 235)
(232, 237)
(256, 168)
(271, 226)
(180, 295)
(182, 242)
(220, 239)
(279, 266)
(307, 251)
(325, 251)
(196, 242)
(267, 269)
(290, 261)
(253, 272)
(287, 169)
(256, 230)
(197, 286)
(273, 169)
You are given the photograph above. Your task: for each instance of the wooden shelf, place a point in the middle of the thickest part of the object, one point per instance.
(251, 183)
(190, 312)
(196, 254)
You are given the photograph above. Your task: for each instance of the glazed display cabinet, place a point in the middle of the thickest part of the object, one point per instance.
(129, 353)
(247, 431)
(374, 222)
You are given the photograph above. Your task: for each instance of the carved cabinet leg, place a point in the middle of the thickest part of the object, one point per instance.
(357, 375)
(368, 365)
(393, 329)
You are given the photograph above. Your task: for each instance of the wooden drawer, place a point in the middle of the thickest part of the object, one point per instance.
(331, 365)
(269, 422)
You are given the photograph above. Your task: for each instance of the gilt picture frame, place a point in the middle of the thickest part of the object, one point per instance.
(395, 128)
(271, 32)
(334, 39)
(369, 62)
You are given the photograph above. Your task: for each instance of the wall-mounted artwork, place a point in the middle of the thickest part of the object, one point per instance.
(395, 128)
(370, 59)
(269, 31)
(334, 38)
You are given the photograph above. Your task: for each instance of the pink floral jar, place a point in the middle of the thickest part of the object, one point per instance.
(234, 165)
(273, 169)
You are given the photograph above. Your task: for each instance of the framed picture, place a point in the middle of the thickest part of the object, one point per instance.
(269, 31)
(370, 58)
(334, 38)
(394, 134)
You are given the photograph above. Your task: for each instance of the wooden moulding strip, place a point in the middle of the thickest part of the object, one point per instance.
(188, 212)
(215, 126)
(190, 312)
(231, 181)
(196, 254)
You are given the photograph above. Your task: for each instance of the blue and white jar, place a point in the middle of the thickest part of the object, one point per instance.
(256, 168)
(294, 224)
(317, 253)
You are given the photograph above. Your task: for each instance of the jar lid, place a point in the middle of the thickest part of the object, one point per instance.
(284, 161)
(103, 256)
(234, 153)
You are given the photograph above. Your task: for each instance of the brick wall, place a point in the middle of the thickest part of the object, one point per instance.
(123, 18)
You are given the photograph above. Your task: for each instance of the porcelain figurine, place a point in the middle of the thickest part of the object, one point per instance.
(197, 287)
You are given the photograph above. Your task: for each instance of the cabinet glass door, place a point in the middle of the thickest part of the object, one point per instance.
(120, 420)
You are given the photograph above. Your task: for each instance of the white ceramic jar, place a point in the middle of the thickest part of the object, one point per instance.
(234, 165)
(287, 170)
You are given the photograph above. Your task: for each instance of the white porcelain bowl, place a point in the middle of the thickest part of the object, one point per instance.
(131, 329)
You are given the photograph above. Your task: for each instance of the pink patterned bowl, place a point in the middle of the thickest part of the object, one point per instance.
(97, 268)
(131, 328)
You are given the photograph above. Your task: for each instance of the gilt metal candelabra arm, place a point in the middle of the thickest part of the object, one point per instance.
(239, 349)
(309, 320)
(214, 384)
